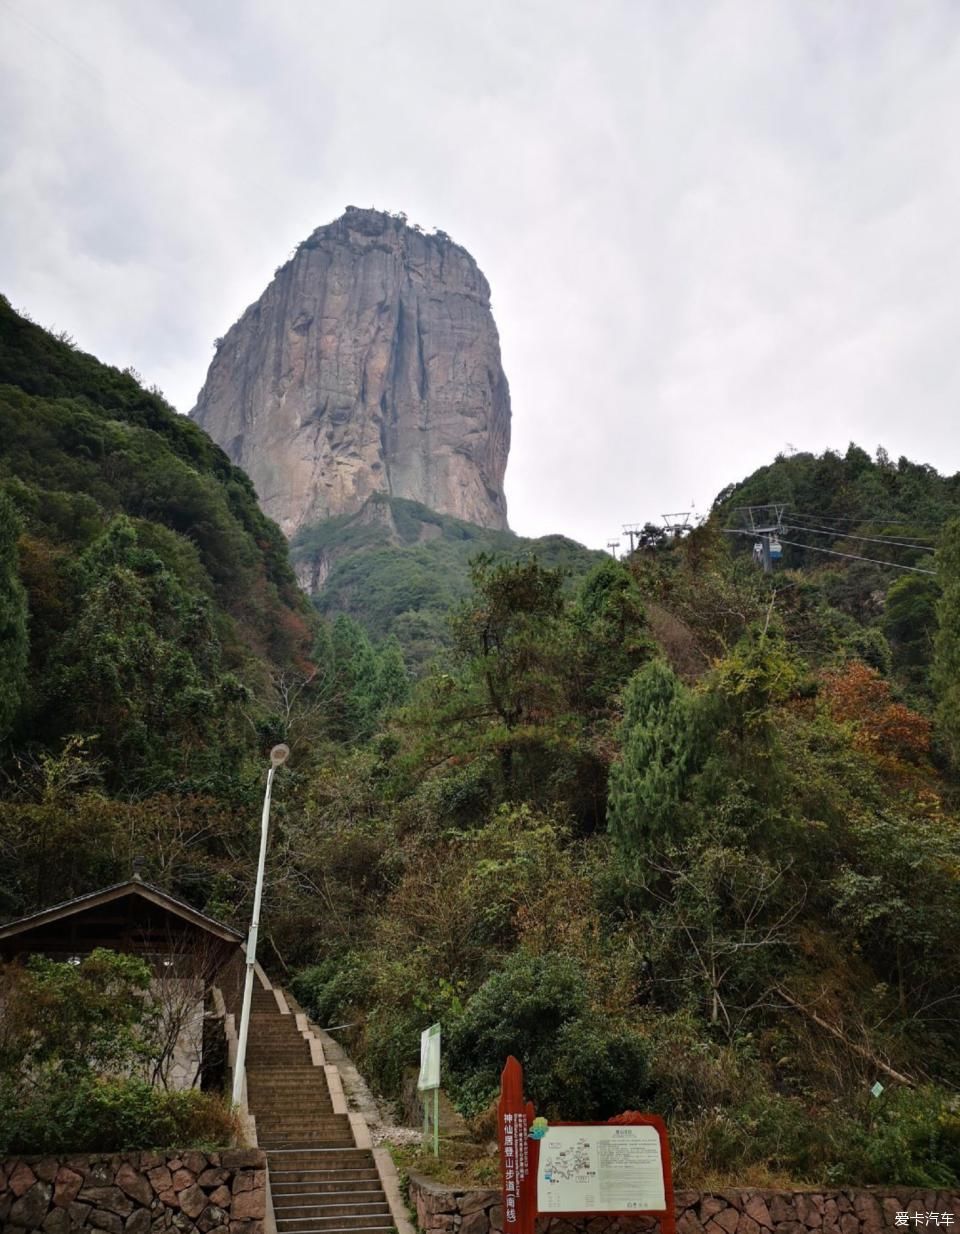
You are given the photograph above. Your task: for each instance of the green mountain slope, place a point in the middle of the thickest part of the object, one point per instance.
(862, 534)
(680, 834)
(400, 568)
(159, 598)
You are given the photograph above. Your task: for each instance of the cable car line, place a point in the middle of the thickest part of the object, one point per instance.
(895, 565)
(868, 518)
(841, 531)
(815, 548)
(843, 535)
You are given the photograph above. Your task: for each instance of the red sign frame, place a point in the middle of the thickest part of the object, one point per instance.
(519, 1154)
(520, 1160)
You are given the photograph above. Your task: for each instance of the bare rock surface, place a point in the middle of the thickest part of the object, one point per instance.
(371, 363)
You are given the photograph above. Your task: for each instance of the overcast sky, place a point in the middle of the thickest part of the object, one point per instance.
(713, 230)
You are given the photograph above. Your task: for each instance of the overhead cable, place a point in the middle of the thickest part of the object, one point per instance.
(843, 535)
(895, 565)
(870, 518)
(815, 548)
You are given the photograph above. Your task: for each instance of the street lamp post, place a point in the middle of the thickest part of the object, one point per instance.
(278, 756)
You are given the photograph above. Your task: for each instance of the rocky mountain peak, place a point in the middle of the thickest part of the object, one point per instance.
(371, 364)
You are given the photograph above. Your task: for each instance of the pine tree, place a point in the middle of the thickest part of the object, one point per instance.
(353, 694)
(660, 751)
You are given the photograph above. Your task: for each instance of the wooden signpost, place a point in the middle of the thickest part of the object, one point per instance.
(618, 1168)
(518, 1153)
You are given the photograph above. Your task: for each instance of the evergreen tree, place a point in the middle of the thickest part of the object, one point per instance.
(140, 667)
(660, 752)
(946, 653)
(354, 682)
(13, 619)
(393, 682)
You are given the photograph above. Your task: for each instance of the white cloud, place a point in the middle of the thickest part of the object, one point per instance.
(710, 228)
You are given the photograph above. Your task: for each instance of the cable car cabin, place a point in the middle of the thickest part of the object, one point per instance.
(776, 551)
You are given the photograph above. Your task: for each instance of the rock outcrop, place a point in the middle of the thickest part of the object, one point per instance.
(370, 364)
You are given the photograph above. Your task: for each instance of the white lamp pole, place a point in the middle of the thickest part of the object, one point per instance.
(278, 756)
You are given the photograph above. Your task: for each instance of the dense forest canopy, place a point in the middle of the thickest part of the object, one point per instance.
(400, 568)
(680, 834)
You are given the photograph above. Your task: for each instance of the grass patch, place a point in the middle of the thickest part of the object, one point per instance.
(461, 1164)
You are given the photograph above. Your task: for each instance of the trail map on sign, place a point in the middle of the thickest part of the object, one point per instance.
(600, 1169)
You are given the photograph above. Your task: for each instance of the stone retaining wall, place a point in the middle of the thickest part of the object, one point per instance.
(135, 1193)
(868, 1210)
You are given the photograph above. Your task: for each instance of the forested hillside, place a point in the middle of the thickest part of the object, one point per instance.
(679, 834)
(147, 610)
(400, 569)
(686, 839)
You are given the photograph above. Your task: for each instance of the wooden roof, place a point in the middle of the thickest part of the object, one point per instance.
(59, 924)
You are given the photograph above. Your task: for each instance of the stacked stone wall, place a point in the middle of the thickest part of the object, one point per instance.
(869, 1210)
(135, 1193)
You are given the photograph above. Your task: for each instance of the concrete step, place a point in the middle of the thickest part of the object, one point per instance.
(295, 1181)
(276, 1067)
(296, 1144)
(302, 1116)
(316, 1083)
(315, 1098)
(316, 1091)
(343, 1221)
(305, 1157)
(290, 1051)
(374, 1206)
(301, 1111)
(276, 1056)
(297, 1074)
(293, 1074)
(331, 1176)
(302, 1101)
(321, 1192)
(312, 1228)
(321, 1182)
(282, 1142)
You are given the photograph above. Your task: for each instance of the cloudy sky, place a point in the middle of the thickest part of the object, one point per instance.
(714, 231)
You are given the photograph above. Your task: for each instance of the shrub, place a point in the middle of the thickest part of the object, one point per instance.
(328, 990)
(577, 1062)
(907, 1138)
(68, 1114)
(911, 1138)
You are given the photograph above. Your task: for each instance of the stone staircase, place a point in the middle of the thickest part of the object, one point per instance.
(321, 1183)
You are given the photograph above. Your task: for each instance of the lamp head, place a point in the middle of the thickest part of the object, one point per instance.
(279, 755)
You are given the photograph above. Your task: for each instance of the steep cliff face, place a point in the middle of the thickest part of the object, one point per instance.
(370, 364)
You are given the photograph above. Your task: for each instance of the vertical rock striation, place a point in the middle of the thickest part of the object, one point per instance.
(370, 364)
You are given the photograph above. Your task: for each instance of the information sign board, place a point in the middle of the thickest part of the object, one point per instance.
(621, 1167)
(429, 1058)
(587, 1168)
